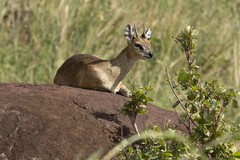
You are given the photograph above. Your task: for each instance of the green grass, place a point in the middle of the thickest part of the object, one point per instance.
(37, 36)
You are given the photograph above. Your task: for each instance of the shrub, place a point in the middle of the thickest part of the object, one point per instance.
(203, 105)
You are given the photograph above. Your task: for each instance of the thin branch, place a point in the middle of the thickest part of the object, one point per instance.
(174, 92)
(181, 119)
(188, 53)
(136, 128)
(133, 119)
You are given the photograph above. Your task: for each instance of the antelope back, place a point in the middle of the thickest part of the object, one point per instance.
(140, 46)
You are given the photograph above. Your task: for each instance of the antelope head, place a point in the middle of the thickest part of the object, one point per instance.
(140, 46)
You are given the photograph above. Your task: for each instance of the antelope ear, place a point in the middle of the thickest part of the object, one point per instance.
(129, 33)
(147, 34)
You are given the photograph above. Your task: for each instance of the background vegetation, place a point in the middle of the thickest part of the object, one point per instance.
(37, 36)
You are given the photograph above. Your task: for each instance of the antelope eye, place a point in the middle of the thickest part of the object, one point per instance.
(137, 45)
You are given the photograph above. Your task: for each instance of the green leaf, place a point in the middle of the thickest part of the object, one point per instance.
(213, 102)
(193, 109)
(235, 103)
(184, 77)
(168, 154)
(148, 99)
(142, 111)
(231, 93)
(236, 155)
(194, 32)
(211, 151)
(197, 75)
(191, 96)
(130, 150)
(175, 104)
(196, 66)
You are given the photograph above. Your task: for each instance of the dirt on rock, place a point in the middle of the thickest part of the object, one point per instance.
(59, 122)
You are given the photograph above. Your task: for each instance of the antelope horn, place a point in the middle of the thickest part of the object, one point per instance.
(136, 30)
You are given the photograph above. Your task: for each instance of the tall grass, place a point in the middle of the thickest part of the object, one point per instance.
(37, 36)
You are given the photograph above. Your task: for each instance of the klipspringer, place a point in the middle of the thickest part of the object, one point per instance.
(90, 72)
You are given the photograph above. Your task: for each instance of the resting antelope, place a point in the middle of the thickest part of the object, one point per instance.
(90, 72)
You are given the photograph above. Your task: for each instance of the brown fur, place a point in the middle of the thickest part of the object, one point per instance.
(91, 72)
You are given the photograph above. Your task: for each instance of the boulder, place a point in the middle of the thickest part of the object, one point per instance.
(60, 122)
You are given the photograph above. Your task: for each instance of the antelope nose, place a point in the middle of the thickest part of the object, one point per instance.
(150, 54)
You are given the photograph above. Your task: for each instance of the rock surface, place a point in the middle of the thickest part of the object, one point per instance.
(60, 122)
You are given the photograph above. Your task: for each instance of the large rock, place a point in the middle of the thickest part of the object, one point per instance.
(59, 122)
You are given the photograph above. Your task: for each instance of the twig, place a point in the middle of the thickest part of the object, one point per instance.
(174, 92)
(136, 128)
(181, 119)
(133, 119)
(188, 53)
